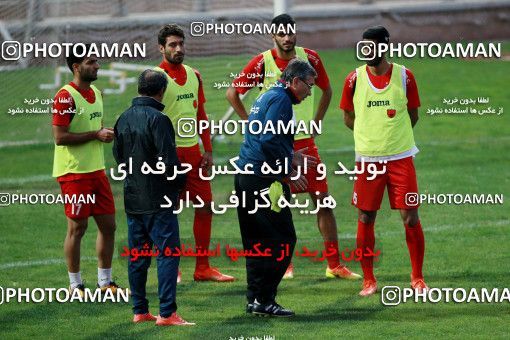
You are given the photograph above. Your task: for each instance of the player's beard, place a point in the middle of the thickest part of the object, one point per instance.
(286, 48)
(374, 62)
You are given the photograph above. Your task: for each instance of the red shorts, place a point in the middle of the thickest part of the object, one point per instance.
(313, 183)
(400, 178)
(99, 187)
(196, 186)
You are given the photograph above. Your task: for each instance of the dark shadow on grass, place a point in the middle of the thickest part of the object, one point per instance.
(129, 330)
(340, 309)
(237, 291)
(46, 313)
(472, 277)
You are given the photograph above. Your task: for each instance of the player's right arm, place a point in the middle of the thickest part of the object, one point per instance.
(163, 136)
(413, 114)
(62, 119)
(347, 103)
(62, 136)
(234, 99)
(243, 83)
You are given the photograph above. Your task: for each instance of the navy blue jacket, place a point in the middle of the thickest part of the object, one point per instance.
(274, 105)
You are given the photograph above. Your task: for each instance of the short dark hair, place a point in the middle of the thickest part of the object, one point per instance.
(80, 49)
(168, 30)
(283, 19)
(298, 68)
(151, 82)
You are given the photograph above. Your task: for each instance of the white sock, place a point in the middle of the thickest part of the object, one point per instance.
(75, 279)
(104, 276)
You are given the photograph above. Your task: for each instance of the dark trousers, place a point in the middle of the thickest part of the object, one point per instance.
(160, 229)
(272, 230)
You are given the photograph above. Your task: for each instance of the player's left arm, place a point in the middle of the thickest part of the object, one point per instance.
(205, 135)
(117, 146)
(413, 114)
(413, 99)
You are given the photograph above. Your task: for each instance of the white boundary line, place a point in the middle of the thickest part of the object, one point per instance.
(23, 180)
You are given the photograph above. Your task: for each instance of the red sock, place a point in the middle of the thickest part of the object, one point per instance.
(366, 239)
(333, 259)
(416, 245)
(202, 233)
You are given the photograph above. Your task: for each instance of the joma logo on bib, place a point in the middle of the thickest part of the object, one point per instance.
(185, 96)
(372, 103)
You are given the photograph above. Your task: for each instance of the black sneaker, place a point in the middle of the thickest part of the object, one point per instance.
(271, 309)
(249, 307)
